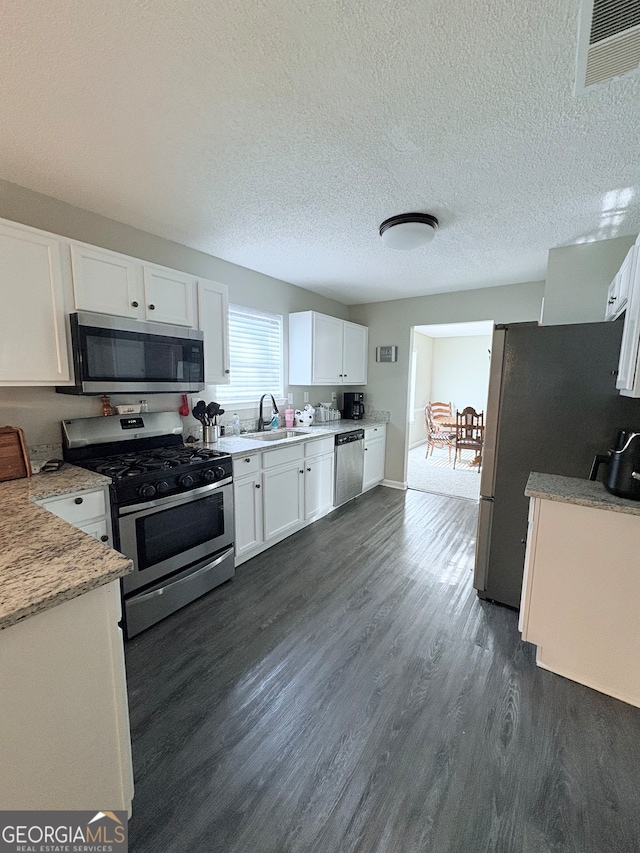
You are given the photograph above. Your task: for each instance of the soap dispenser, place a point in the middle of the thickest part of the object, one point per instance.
(274, 421)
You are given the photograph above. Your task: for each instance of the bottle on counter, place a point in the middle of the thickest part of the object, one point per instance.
(275, 421)
(144, 405)
(288, 418)
(235, 424)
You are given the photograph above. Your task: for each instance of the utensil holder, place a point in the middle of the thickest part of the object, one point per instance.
(210, 434)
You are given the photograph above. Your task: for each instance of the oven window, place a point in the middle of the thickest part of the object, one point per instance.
(169, 532)
(110, 354)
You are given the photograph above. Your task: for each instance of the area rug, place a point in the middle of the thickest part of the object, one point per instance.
(436, 475)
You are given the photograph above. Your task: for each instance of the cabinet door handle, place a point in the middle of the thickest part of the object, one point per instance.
(366, 448)
(104, 538)
(152, 307)
(78, 501)
(248, 459)
(257, 485)
(309, 469)
(302, 470)
(227, 371)
(134, 304)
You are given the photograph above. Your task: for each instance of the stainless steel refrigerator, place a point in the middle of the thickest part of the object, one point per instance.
(552, 406)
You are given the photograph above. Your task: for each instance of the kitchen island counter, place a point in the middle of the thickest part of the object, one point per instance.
(572, 490)
(44, 560)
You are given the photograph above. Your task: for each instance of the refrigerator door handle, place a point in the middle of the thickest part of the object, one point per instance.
(483, 540)
(488, 475)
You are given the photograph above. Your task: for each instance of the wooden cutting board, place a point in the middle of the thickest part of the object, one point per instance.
(14, 459)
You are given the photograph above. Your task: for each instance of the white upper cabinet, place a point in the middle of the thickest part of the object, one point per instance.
(620, 288)
(168, 296)
(628, 379)
(325, 350)
(109, 283)
(33, 339)
(326, 357)
(354, 349)
(106, 282)
(213, 320)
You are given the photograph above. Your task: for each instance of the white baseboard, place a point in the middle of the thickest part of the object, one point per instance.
(422, 441)
(395, 484)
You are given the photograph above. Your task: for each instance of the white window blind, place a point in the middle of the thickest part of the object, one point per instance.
(255, 356)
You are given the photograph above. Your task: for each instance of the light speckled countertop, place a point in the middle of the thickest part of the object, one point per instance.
(571, 490)
(243, 444)
(43, 559)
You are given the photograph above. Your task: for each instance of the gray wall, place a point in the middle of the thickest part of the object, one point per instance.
(577, 280)
(391, 323)
(39, 410)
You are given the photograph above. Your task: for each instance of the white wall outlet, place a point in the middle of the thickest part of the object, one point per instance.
(334, 396)
(290, 399)
(306, 396)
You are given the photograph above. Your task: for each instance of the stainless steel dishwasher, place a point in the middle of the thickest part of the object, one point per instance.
(349, 465)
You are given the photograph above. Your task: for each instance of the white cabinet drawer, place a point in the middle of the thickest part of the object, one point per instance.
(79, 508)
(243, 465)
(282, 456)
(97, 529)
(375, 432)
(319, 446)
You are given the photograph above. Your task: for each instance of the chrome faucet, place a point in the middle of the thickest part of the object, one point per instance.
(261, 418)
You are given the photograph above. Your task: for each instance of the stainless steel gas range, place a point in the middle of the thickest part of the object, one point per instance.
(171, 505)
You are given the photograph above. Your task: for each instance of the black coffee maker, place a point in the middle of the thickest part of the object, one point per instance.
(623, 466)
(353, 408)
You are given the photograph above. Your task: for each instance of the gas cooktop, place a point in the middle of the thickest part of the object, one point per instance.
(120, 466)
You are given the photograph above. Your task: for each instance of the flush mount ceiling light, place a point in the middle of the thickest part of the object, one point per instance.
(408, 230)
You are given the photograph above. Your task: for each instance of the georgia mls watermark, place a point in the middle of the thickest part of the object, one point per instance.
(63, 832)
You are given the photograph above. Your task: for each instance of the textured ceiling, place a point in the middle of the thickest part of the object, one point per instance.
(278, 135)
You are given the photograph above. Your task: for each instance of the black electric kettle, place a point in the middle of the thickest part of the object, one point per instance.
(623, 466)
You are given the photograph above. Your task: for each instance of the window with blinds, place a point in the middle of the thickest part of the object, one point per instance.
(255, 356)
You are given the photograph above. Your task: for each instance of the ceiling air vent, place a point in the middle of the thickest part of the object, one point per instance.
(609, 41)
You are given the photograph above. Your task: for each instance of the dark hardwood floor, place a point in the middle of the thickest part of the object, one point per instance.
(348, 691)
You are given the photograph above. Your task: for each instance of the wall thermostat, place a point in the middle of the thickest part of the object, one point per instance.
(386, 353)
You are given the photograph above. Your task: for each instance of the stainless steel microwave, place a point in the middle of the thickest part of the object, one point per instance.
(114, 355)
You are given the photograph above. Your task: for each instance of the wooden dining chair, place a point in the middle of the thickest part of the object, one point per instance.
(441, 410)
(469, 434)
(436, 437)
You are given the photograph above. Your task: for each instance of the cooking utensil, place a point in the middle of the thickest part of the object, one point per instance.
(199, 411)
(184, 408)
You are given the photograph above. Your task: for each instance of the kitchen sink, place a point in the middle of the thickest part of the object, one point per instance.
(275, 435)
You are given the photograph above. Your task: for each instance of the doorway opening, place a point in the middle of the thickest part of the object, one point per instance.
(449, 365)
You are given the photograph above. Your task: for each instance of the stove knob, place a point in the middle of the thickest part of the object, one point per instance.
(220, 473)
(208, 476)
(162, 487)
(186, 481)
(147, 491)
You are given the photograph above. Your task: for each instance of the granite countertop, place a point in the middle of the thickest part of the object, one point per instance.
(239, 445)
(553, 487)
(44, 560)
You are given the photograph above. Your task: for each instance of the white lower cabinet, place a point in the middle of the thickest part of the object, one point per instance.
(374, 456)
(283, 500)
(318, 486)
(278, 492)
(580, 595)
(64, 711)
(247, 504)
(88, 511)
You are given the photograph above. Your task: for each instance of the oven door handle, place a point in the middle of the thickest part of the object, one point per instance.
(154, 593)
